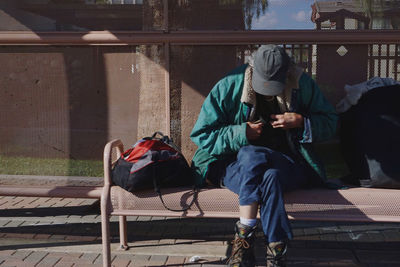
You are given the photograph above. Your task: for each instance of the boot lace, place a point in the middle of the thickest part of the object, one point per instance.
(275, 261)
(239, 247)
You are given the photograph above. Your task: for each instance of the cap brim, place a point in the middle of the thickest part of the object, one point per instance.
(265, 87)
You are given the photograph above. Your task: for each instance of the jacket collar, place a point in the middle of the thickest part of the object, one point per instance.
(284, 99)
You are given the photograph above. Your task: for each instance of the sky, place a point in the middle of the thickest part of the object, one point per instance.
(284, 15)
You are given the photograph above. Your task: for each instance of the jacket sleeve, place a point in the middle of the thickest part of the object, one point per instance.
(215, 130)
(318, 110)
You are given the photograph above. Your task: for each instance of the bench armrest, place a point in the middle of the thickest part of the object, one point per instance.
(116, 143)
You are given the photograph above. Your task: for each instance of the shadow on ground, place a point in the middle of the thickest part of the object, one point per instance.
(360, 242)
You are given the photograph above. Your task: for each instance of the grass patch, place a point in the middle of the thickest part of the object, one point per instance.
(50, 167)
(329, 153)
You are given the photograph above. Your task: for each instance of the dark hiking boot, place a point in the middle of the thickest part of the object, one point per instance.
(243, 246)
(276, 254)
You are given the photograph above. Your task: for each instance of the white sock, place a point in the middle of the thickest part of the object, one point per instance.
(248, 222)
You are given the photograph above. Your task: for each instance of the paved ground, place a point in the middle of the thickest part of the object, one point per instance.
(66, 232)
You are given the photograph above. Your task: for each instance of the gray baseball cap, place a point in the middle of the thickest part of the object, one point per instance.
(271, 64)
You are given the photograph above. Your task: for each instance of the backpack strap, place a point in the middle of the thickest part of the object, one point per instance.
(158, 191)
(160, 134)
(194, 199)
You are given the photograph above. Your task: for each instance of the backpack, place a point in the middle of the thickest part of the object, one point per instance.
(153, 162)
(369, 136)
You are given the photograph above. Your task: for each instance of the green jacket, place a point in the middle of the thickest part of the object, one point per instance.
(220, 129)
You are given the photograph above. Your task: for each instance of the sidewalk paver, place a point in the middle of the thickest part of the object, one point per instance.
(67, 232)
(48, 260)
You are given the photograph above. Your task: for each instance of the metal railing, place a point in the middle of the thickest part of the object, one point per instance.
(200, 37)
(384, 60)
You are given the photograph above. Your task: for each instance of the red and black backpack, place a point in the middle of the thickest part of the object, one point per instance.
(153, 162)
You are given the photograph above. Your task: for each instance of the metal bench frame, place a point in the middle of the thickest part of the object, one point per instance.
(354, 204)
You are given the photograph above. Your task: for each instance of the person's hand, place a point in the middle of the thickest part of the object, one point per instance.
(254, 130)
(287, 120)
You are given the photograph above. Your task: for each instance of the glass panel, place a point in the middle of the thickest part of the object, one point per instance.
(282, 14)
(60, 105)
(114, 15)
(356, 14)
(241, 15)
(80, 15)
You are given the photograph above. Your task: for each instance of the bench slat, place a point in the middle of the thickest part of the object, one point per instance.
(53, 191)
(354, 204)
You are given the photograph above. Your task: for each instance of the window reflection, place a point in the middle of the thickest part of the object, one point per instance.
(146, 15)
(356, 14)
(80, 15)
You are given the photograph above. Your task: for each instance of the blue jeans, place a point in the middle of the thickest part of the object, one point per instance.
(259, 174)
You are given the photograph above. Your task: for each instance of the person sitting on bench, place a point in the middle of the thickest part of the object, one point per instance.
(254, 135)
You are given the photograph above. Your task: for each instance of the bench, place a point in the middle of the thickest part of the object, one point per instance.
(52, 191)
(353, 204)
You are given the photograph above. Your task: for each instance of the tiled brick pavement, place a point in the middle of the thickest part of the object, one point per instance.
(67, 232)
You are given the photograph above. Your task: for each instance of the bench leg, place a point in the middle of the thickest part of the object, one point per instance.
(105, 235)
(123, 233)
